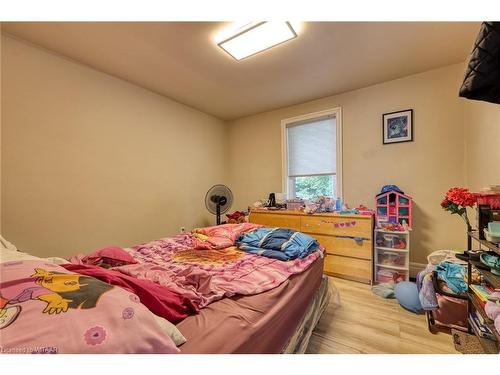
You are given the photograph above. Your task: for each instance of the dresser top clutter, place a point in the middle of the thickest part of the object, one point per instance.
(302, 213)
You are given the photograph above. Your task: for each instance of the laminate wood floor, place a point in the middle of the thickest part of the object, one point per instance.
(367, 323)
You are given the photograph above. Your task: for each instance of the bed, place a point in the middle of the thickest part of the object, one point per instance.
(275, 321)
(241, 302)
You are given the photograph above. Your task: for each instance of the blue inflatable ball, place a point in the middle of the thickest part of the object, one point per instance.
(407, 295)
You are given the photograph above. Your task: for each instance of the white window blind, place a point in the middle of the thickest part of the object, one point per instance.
(312, 147)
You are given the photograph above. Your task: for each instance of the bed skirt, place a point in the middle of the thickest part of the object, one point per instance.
(299, 341)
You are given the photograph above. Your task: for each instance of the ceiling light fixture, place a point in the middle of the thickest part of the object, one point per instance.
(257, 37)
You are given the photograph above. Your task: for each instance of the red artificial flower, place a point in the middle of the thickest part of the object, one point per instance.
(457, 200)
(445, 203)
(461, 197)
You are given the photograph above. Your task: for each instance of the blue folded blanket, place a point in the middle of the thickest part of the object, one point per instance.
(277, 243)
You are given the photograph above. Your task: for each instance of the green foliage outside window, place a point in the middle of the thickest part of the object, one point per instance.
(312, 186)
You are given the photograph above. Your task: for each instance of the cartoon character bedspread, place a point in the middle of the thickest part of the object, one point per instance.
(211, 274)
(47, 309)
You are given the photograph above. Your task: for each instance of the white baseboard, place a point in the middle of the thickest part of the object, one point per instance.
(416, 268)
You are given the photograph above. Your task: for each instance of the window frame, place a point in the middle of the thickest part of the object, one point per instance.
(337, 113)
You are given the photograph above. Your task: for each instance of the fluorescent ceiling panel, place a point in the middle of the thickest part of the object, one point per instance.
(257, 38)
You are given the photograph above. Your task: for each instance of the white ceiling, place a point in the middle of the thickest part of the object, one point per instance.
(181, 60)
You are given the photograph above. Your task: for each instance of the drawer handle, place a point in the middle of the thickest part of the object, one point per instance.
(358, 240)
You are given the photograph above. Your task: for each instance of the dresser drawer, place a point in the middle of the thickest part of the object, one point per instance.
(349, 268)
(337, 225)
(345, 246)
(276, 220)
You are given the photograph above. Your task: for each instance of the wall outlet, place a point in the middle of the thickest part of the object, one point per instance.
(183, 230)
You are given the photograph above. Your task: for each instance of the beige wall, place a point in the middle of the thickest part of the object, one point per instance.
(482, 134)
(90, 160)
(424, 169)
(0, 128)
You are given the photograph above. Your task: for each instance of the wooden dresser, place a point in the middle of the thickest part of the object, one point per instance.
(345, 257)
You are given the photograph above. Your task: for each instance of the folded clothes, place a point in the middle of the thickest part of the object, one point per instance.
(159, 299)
(277, 243)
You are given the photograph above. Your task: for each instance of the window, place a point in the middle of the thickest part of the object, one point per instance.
(312, 155)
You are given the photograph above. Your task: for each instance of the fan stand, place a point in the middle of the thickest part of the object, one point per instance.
(219, 200)
(217, 213)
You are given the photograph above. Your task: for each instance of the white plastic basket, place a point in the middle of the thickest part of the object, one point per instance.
(439, 256)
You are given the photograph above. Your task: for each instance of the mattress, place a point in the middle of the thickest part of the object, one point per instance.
(261, 323)
(325, 295)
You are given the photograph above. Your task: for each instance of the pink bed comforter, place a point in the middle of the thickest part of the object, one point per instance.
(220, 236)
(208, 275)
(47, 309)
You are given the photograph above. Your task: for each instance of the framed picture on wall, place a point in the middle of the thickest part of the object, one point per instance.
(397, 126)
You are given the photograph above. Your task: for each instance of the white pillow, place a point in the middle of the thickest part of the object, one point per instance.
(6, 245)
(170, 330)
(9, 256)
(56, 260)
(8, 252)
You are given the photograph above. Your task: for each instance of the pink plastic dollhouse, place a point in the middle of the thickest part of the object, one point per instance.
(394, 207)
